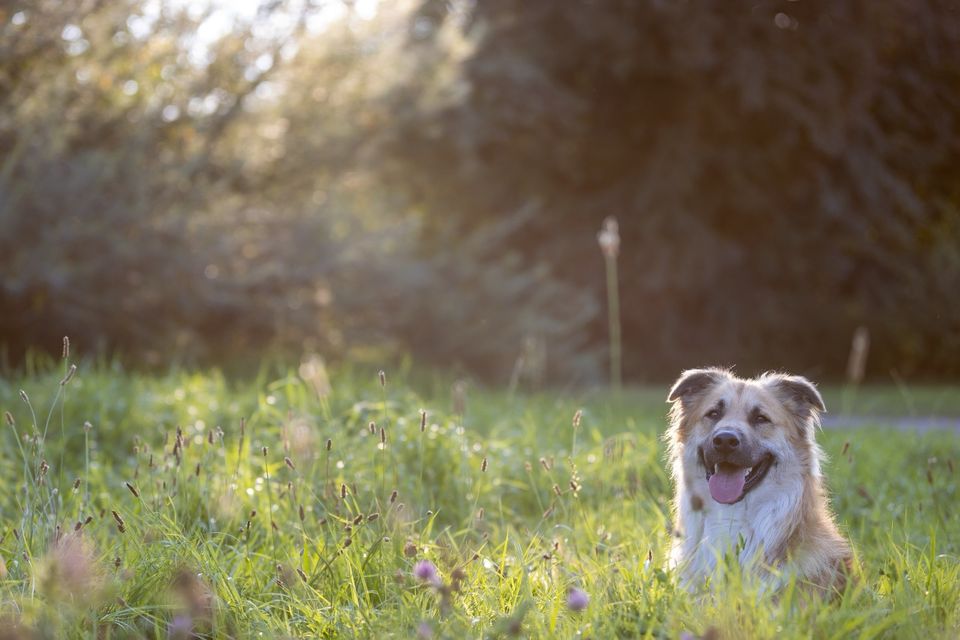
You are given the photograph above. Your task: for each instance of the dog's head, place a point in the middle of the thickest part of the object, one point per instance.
(734, 435)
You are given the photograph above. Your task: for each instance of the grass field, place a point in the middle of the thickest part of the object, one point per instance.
(279, 512)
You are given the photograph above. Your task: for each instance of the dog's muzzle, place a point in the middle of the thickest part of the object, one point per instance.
(733, 467)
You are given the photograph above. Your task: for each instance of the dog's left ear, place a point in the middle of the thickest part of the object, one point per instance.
(797, 393)
(693, 382)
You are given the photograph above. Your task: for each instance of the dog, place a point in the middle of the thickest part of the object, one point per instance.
(746, 470)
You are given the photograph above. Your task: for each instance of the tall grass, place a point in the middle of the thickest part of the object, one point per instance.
(236, 518)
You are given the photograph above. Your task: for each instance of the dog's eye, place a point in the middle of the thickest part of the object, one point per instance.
(713, 414)
(760, 419)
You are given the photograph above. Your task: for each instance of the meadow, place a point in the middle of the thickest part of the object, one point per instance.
(402, 504)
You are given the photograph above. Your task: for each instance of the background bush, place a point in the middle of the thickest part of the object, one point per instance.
(430, 177)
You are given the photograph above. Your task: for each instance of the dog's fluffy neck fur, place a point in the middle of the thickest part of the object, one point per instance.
(759, 528)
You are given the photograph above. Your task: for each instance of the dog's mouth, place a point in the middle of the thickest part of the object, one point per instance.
(729, 482)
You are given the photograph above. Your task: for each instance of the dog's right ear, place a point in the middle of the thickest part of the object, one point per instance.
(693, 382)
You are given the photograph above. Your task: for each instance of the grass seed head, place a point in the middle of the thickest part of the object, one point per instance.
(859, 350)
(118, 518)
(459, 394)
(195, 596)
(70, 373)
(609, 238)
(69, 570)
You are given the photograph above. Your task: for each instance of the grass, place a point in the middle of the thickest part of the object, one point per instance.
(260, 530)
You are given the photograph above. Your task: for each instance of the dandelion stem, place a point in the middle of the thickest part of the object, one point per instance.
(613, 313)
(609, 239)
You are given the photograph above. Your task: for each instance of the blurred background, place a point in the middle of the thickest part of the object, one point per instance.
(207, 182)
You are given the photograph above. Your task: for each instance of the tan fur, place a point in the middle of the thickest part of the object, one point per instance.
(783, 524)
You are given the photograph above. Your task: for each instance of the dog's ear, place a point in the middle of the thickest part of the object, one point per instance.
(693, 382)
(797, 393)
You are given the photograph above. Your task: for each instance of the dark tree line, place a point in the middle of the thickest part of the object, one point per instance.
(782, 171)
(432, 181)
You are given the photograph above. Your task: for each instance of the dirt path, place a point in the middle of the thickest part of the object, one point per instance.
(902, 423)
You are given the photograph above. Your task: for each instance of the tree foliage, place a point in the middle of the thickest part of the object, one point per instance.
(782, 171)
(432, 178)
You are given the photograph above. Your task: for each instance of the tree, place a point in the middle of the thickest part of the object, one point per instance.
(781, 172)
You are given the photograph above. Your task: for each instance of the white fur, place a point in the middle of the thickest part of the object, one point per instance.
(763, 519)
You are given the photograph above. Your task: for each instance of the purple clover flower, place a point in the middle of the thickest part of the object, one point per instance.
(577, 600)
(427, 571)
(180, 627)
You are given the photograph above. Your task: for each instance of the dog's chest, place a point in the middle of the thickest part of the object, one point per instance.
(719, 530)
(726, 526)
(749, 529)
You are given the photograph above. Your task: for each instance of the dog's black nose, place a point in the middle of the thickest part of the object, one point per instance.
(725, 441)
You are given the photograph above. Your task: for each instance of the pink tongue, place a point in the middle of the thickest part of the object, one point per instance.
(726, 485)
